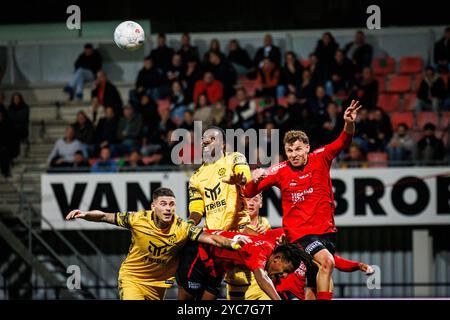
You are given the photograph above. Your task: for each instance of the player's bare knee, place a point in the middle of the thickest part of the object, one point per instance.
(327, 265)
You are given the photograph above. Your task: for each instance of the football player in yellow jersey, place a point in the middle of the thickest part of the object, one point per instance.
(242, 285)
(214, 189)
(157, 236)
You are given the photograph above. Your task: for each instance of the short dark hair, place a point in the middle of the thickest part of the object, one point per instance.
(88, 46)
(429, 126)
(294, 254)
(291, 136)
(161, 35)
(404, 125)
(162, 192)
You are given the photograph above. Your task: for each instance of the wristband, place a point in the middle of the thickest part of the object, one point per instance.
(235, 245)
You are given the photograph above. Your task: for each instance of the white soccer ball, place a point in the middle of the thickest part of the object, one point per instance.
(129, 36)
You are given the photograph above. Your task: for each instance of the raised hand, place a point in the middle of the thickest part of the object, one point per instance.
(259, 174)
(351, 112)
(236, 179)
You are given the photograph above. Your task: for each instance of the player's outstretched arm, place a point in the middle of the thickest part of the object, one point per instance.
(219, 241)
(266, 284)
(94, 216)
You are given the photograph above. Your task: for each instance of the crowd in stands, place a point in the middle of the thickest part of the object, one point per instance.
(272, 90)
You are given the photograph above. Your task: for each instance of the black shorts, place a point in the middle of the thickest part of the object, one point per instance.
(312, 244)
(192, 274)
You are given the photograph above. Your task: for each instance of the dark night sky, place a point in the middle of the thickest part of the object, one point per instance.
(227, 15)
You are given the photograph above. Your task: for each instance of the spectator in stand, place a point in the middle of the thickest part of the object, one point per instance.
(331, 123)
(134, 162)
(203, 111)
(63, 152)
(442, 51)
(106, 131)
(239, 58)
(364, 130)
(281, 120)
(318, 70)
(381, 131)
(319, 102)
(162, 55)
(105, 163)
(210, 86)
(188, 121)
(218, 115)
(402, 146)
(342, 72)
(96, 111)
(80, 163)
(222, 71)
(2, 102)
(214, 46)
(87, 65)
(6, 144)
(359, 51)
(268, 50)
(431, 91)
(165, 125)
(294, 109)
(187, 51)
(176, 70)
(84, 132)
(192, 75)
(268, 78)
(366, 89)
(291, 75)
(19, 114)
(244, 114)
(307, 88)
(178, 104)
(325, 51)
(308, 123)
(129, 131)
(149, 82)
(430, 148)
(148, 109)
(107, 93)
(356, 158)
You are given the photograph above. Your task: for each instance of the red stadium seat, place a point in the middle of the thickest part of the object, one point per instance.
(445, 119)
(409, 102)
(411, 65)
(92, 161)
(381, 84)
(426, 116)
(377, 159)
(417, 80)
(283, 101)
(405, 117)
(399, 84)
(233, 103)
(389, 102)
(383, 66)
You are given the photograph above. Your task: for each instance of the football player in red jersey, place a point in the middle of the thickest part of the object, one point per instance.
(202, 273)
(307, 195)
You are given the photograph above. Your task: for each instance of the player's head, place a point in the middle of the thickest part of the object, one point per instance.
(163, 204)
(213, 143)
(285, 259)
(296, 146)
(253, 205)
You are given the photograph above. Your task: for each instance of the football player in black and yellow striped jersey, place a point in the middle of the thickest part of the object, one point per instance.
(157, 236)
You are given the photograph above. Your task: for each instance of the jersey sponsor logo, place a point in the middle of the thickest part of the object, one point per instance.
(158, 250)
(313, 245)
(169, 282)
(300, 196)
(301, 270)
(215, 205)
(221, 172)
(277, 167)
(213, 193)
(293, 183)
(319, 150)
(305, 176)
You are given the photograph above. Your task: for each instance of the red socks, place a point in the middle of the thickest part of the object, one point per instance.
(324, 295)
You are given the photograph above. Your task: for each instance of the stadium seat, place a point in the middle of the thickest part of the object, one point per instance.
(233, 103)
(383, 66)
(426, 116)
(92, 161)
(409, 101)
(445, 119)
(405, 117)
(282, 101)
(389, 102)
(399, 84)
(377, 159)
(381, 84)
(411, 65)
(416, 83)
